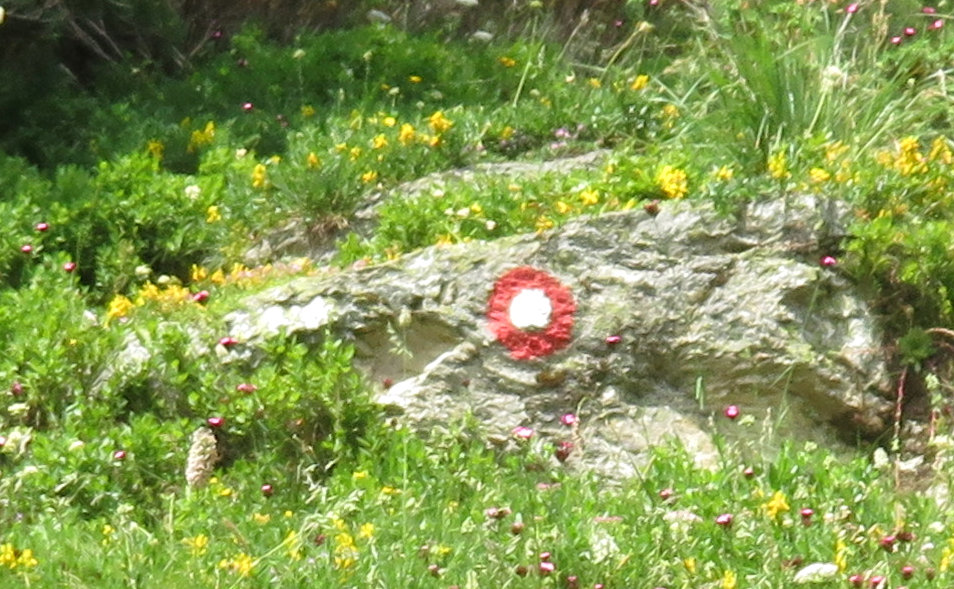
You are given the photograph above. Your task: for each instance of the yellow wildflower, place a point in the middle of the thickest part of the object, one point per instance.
(835, 150)
(346, 552)
(292, 544)
(212, 214)
(259, 176)
(275, 159)
(169, 296)
(369, 176)
(241, 564)
(776, 505)
(507, 61)
(379, 141)
(909, 159)
(476, 208)
(313, 161)
(442, 239)
(414, 79)
(543, 223)
(690, 564)
(724, 173)
(406, 134)
(729, 580)
(10, 558)
(201, 138)
(359, 475)
(261, 518)
(670, 111)
(341, 147)
(844, 173)
(366, 531)
(108, 532)
(354, 153)
(941, 151)
(198, 273)
(218, 277)
(439, 123)
(819, 175)
(946, 555)
(26, 559)
(673, 181)
(640, 82)
(507, 132)
(155, 148)
(595, 83)
(589, 197)
(386, 490)
(197, 546)
(778, 166)
(841, 559)
(119, 307)
(388, 121)
(8, 555)
(308, 111)
(562, 208)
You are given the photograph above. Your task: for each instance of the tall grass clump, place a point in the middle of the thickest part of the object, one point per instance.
(784, 75)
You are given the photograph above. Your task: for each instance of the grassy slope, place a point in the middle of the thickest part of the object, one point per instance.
(751, 103)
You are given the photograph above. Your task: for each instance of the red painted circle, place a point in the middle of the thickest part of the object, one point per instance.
(525, 344)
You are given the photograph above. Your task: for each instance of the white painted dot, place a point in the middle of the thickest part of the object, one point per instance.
(530, 309)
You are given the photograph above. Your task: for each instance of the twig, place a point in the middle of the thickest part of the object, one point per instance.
(898, 405)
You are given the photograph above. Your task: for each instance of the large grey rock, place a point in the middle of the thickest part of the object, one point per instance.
(710, 311)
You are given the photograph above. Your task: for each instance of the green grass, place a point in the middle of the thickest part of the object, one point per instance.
(448, 511)
(155, 185)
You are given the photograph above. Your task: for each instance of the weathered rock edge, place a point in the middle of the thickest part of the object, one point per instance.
(711, 310)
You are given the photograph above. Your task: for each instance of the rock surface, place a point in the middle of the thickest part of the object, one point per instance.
(708, 310)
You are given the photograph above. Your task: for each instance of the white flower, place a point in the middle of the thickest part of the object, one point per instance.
(880, 458)
(192, 191)
(681, 520)
(18, 409)
(482, 36)
(602, 546)
(530, 309)
(833, 76)
(817, 572)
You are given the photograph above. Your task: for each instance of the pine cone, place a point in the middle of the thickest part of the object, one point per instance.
(203, 455)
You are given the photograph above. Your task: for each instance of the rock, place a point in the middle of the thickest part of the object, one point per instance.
(676, 315)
